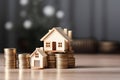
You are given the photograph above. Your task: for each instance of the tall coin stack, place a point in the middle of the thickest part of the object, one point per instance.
(24, 61)
(61, 61)
(71, 60)
(10, 58)
(51, 60)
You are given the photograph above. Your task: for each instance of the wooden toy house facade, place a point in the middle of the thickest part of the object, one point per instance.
(38, 59)
(56, 40)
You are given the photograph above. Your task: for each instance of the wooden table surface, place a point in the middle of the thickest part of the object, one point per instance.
(88, 67)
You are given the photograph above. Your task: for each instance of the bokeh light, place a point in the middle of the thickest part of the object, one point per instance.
(23, 13)
(49, 10)
(24, 2)
(8, 25)
(60, 14)
(27, 24)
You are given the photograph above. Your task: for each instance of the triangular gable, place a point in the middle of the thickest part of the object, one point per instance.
(59, 30)
(33, 53)
(39, 51)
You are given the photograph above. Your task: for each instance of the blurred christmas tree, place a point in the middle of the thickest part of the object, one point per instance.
(35, 20)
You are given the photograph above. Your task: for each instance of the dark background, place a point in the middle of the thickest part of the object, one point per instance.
(87, 18)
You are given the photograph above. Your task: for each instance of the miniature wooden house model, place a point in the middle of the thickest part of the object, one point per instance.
(57, 40)
(38, 59)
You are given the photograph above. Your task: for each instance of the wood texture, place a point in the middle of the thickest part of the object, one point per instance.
(88, 67)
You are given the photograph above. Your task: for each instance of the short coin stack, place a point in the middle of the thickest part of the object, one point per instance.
(51, 60)
(24, 61)
(10, 58)
(61, 61)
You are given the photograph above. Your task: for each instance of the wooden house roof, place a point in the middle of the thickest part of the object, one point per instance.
(59, 30)
(39, 51)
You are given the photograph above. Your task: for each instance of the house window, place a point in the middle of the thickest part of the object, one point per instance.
(47, 44)
(59, 44)
(36, 55)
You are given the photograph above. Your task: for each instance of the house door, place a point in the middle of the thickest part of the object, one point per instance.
(36, 63)
(53, 45)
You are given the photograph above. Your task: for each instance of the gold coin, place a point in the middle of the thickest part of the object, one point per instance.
(9, 67)
(62, 59)
(62, 67)
(10, 62)
(61, 55)
(24, 67)
(70, 55)
(36, 68)
(51, 58)
(10, 58)
(22, 56)
(52, 65)
(10, 50)
(51, 61)
(24, 60)
(50, 54)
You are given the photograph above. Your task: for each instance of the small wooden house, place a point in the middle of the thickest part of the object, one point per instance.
(57, 40)
(38, 59)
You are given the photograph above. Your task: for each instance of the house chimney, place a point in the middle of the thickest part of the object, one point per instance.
(65, 31)
(49, 30)
(70, 34)
(41, 48)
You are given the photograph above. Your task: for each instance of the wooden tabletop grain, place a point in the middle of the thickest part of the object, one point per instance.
(88, 67)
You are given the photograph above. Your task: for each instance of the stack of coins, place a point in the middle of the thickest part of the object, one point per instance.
(71, 60)
(108, 46)
(10, 58)
(24, 61)
(85, 46)
(51, 60)
(61, 61)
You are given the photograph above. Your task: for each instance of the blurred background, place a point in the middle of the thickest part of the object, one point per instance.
(95, 23)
